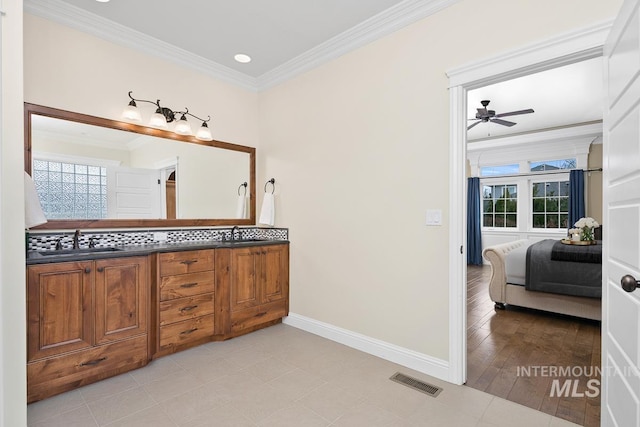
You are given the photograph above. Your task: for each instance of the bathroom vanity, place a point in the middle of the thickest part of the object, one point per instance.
(92, 315)
(128, 297)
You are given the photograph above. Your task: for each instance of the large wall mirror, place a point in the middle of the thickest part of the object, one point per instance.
(92, 172)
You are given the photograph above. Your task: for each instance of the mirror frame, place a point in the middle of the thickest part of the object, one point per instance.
(31, 109)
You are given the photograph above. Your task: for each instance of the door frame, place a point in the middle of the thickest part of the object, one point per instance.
(565, 49)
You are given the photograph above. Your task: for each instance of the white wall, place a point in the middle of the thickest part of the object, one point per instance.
(67, 69)
(364, 141)
(207, 179)
(13, 327)
(55, 144)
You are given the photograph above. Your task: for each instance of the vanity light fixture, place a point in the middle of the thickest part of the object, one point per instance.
(163, 116)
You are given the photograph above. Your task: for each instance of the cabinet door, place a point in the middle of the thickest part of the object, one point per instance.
(244, 280)
(121, 298)
(275, 273)
(59, 300)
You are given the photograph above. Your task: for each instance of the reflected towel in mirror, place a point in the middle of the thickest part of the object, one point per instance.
(268, 211)
(241, 207)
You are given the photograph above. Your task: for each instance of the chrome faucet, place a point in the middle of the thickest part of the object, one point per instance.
(76, 237)
(233, 236)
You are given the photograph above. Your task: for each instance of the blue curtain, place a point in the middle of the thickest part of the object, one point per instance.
(576, 196)
(474, 231)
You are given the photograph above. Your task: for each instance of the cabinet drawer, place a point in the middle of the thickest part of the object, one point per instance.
(244, 319)
(84, 367)
(186, 285)
(186, 262)
(180, 309)
(186, 331)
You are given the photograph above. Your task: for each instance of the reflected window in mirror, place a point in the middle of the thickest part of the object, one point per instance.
(71, 190)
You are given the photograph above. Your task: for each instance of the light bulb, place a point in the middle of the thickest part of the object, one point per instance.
(131, 112)
(183, 127)
(158, 120)
(204, 133)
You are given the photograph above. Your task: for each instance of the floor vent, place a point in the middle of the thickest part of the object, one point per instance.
(415, 384)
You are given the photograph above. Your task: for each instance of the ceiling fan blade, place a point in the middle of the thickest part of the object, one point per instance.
(502, 122)
(473, 124)
(515, 113)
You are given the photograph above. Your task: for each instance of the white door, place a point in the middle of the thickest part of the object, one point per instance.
(133, 193)
(621, 232)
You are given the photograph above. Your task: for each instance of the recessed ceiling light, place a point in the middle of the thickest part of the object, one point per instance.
(242, 58)
(102, 1)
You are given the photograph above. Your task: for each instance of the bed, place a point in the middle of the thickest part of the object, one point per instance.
(510, 279)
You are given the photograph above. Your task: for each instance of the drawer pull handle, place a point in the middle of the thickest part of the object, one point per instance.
(189, 285)
(100, 269)
(93, 362)
(261, 314)
(87, 270)
(188, 261)
(188, 308)
(190, 331)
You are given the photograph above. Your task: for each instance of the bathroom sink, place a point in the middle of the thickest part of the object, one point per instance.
(231, 242)
(80, 251)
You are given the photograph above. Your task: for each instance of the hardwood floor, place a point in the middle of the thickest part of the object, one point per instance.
(513, 353)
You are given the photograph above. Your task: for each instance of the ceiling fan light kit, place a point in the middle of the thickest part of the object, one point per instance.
(163, 116)
(485, 116)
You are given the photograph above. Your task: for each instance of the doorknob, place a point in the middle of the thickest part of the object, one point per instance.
(629, 283)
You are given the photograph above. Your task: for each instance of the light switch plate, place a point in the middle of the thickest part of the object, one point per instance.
(434, 217)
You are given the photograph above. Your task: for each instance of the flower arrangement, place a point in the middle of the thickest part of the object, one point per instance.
(584, 227)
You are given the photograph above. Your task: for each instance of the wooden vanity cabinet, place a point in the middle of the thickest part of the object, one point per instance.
(185, 299)
(255, 287)
(86, 320)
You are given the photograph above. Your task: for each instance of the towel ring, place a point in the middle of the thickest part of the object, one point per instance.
(272, 181)
(244, 184)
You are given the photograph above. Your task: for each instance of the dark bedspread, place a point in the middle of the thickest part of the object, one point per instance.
(561, 277)
(577, 253)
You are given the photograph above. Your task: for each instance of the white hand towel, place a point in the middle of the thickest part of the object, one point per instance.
(241, 207)
(268, 211)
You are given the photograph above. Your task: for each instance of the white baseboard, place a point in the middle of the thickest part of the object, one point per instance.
(411, 359)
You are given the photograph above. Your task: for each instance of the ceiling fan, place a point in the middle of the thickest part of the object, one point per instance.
(483, 115)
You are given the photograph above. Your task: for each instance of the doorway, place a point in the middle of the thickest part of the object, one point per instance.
(523, 165)
(564, 50)
(170, 190)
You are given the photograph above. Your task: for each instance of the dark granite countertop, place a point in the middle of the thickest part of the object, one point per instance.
(52, 256)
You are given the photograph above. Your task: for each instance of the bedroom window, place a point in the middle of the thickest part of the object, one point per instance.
(499, 170)
(500, 206)
(549, 165)
(69, 190)
(550, 203)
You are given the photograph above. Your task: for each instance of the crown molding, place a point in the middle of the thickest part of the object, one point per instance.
(554, 136)
(374, 28)
(81, 20)
(536, 146)
(380, 25)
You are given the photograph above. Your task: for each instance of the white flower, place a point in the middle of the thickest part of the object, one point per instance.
(586, 222)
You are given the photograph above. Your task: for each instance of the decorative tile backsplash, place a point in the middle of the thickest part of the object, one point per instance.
(48, 241)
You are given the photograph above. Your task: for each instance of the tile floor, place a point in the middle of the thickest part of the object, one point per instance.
(279, 376)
